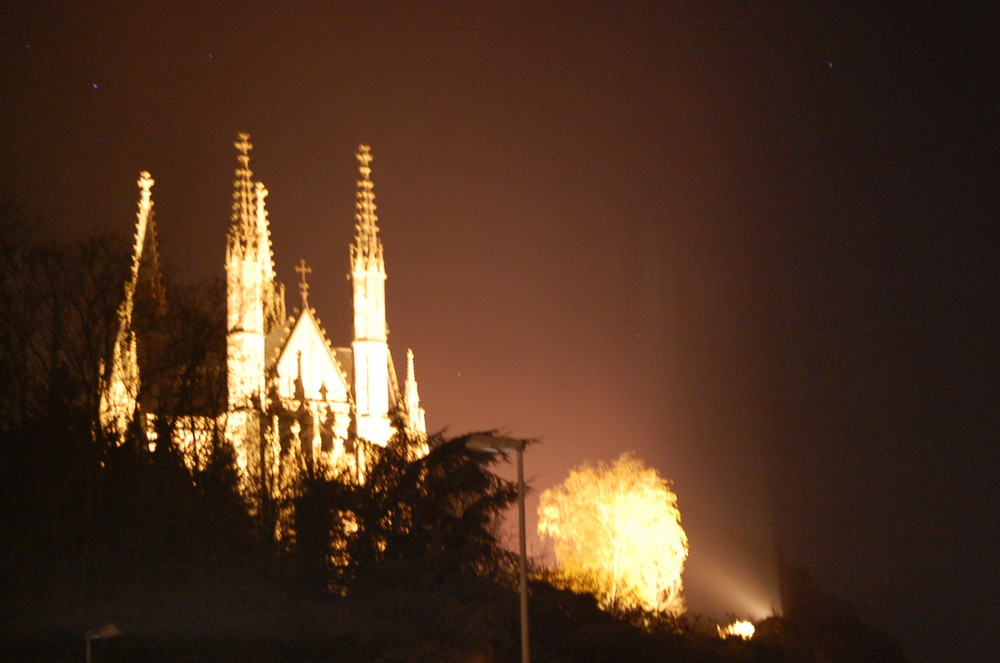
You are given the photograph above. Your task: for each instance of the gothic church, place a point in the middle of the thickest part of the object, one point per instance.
(292, 400)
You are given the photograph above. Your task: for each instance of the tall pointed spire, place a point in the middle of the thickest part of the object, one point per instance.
(273, 291)
(120, 388)
(146, 266)
(261, 230)
(369, 348)
(143, 218)
(144, 250)
(366, 252)
(244, 223)
(247, 284)
(367, 261)
(414, 413)
(411, 374)
(249, 240)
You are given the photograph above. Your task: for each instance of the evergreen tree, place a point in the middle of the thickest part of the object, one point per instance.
(412, 522)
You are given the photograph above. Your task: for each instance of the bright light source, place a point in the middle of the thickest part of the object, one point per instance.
(741, 628)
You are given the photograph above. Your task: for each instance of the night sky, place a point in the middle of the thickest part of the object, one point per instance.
(756, 244)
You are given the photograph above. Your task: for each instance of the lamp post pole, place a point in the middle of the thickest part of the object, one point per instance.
(494, 444)
(106, 631)
(523, 562)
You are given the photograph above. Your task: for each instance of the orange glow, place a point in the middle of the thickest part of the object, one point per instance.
(617, 533)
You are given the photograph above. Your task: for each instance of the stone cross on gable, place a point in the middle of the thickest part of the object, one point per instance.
(304, 270)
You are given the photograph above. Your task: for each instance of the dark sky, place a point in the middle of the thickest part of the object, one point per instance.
(754, 243)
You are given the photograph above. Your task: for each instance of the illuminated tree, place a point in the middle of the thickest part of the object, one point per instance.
(617, 533)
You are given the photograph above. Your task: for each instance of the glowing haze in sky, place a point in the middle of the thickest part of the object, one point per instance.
(755, 245)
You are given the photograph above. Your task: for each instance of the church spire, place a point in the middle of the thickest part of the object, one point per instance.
(262, 230)
(120, 388)
(248, 283)
(414, 413)
(273, 292)
(370, 347)
(366, 252)
(145, 272)
(143, 218)
(243, 229)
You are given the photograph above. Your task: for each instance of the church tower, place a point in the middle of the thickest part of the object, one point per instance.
(253, 303)
(370, 346)
(244, 290)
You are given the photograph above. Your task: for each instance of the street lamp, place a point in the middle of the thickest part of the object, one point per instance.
(106, 631)
(493, 444)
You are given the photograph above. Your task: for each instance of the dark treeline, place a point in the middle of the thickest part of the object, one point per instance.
(90, 525)
(406, 567)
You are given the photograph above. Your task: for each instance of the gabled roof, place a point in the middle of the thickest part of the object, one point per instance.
(395, 397)
(345, 357)
(275, 341)
(320, 366)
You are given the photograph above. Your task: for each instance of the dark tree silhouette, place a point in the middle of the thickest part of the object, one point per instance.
(438, 513)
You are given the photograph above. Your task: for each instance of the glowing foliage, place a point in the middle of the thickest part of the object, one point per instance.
(617, 533)
(741, 628)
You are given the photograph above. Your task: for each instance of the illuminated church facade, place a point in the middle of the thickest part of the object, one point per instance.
(294, 401)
